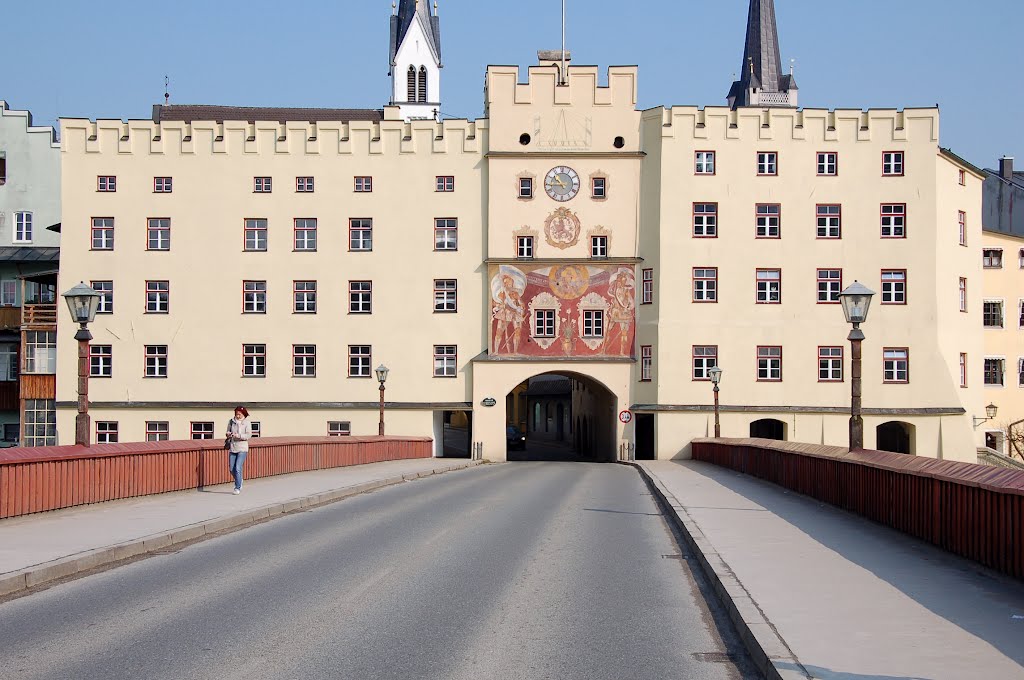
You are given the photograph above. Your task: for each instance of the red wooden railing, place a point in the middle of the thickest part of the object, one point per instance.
(53, 477)
(975, 511)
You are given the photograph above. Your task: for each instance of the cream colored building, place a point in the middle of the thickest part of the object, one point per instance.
(566, 232)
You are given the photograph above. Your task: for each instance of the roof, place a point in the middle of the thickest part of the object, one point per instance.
(219, 114)
(1017, 178)
(966, 165)
(408, 12)
(28, 254)
(762, 65)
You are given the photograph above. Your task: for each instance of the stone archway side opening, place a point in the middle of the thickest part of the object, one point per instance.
(768, 428)
(895, 437)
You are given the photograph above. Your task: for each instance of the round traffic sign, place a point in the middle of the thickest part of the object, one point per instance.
(626, 417)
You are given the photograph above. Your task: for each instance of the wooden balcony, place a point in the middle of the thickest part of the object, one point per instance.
(39, 316)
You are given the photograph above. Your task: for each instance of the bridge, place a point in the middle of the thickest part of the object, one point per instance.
(804, 561)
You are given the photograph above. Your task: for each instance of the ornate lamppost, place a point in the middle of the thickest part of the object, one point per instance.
(382, 376)
(715, 373)
(83, 302)
(856, 299)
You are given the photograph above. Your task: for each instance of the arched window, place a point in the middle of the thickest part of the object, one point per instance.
(412, 84)
(423, 84)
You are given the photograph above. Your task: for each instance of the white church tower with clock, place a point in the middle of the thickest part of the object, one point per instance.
(416, 59)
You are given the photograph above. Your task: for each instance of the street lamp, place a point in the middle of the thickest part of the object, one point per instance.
(990, 413)
(382, 376)
(715, 373)
(856, 299)
(83, 302)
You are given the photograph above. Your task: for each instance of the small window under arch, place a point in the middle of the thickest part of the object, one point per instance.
(412, 84)
(423, 84)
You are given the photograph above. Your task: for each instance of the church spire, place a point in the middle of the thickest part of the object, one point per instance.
(415, 59)
(762, 82)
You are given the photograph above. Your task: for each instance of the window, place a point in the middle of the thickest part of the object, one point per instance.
(446, 233)
(963, 370)
(962, 178)
(963, 294)
(411, 84)
(40, 422)
(3, 170)
(769, 286)
(106, 291)
(363, 185)
(8, 362)
(202, 430)
(599, 246)
(360, 297)
(157, 431)
(339, 428)
(994, 371)
(769, 364)
(254, 361)
(106, 432)
(961, 218)
(647, 287)
(705, 220)
(768, 220)
(445, 361)
(262, 185)
(598, 187)
(895, 365)
(444, 183)
(158, 297)
(892, 163)
(303, 361)
(101, 359)
(421, 93)
(705, 357)
(360, 234)
(992, 313)
(257, 429)
(767, 163)
(894, 220)
(992, 258)
(12, 431)
(1020, 372)
(23, 227)
(894, 286)
(255, 234)
(103, 233)
(40, 352)
(9, 293)
(543, 323)
(305, 234)
(828, 163)
(829, 221)
(525, 187)
(304, 297)
(593, 323)
(705, 284)
(254, 297)
(830, 364)
(304, 185)
(646, 362)
(704, 163)
(446, 295)
(106, 183)
(158, 234)
(1020, 308)
(524, 247)
(359, 361)
(161, 185)
(156, 361)
(830, 283)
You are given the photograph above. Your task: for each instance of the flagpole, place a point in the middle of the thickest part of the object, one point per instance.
(563, 43)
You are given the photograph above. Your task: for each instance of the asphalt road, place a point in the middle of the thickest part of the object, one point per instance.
(524, 570)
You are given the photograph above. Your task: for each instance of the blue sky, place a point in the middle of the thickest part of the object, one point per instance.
(107, 60)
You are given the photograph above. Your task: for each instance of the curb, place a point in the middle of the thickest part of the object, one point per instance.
(767, 649)
(39, 574)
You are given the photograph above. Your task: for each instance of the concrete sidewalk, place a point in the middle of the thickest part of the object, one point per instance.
(825, 594)
(38, 548)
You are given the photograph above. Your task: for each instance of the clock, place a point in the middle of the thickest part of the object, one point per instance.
(562, 183)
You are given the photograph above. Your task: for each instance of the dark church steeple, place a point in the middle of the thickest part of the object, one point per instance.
(761, 81)
(415, 59)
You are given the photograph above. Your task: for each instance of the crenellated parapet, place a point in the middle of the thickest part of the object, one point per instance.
(26, 116)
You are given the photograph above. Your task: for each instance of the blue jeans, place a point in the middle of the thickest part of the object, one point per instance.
(235, 462)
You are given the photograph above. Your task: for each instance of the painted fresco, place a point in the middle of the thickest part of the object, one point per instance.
(519, 291)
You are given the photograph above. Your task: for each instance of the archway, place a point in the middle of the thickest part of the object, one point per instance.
(768, 428)
(895, 437)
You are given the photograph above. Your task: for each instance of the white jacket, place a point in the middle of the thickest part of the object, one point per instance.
(243, 431)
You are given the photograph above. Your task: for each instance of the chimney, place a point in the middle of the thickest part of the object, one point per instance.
(1006, 168)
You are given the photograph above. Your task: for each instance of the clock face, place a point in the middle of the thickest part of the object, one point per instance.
(562, 183)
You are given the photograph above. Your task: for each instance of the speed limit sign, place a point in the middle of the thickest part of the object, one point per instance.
(626, 417)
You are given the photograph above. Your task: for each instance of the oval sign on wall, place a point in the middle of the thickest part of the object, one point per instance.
(626, 417)
(489, 401)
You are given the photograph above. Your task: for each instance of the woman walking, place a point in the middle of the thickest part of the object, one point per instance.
(238, 434)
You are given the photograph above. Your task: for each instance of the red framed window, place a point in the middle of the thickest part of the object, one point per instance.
(963, 294)
(304, 361)
(254, 361)
(828, 163)
(304, 239)
(705, 357)
(830, 364)
(103, 233)
(304, 297)
(158, 233)
(543, 323)
(360, 297)
(363, 184)
(963, 365)
(360, 234)
(446, 233)
(446, 361)
(767, 163)
(830, 284)
(961, 218)
(444, 183)
(894, 286)
(705, 220)
(830, 221)
(262, 185)
(895, 365)
(360, 361)
(768, 220)
(646, 362)
(106, 291)
(647, 287)
(101, 361)
(446, 295)
(962, 178)
(255, 234)
(704, 163)
(162, 185)
(254, 297)
(158, 297)
(705, 284)
(157, 431)
(201, 430)
(106, 431)
(156, 361)
(892, 163)
(769, 363)
(304, 185)
(593, 323)
(894, 220)
(106, 183)
(769, 287)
